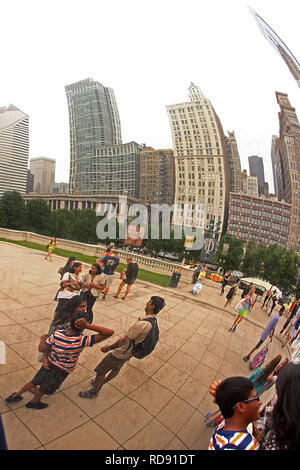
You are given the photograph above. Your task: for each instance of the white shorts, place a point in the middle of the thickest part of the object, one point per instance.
(109, 278)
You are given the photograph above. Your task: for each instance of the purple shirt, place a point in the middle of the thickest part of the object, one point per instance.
(270, 326)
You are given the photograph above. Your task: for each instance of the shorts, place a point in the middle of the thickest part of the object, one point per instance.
(49, 380)
(109, 363)
(109, 278)
(129, 282)
(261, 341)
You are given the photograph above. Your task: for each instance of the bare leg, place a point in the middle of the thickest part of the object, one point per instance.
(127, 291)
(122, 284)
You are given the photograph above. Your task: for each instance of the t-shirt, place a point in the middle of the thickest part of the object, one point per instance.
(232, 440)
(132, 272)
(137, 332)
(67, 294)
(110, 264)
(99, 279)
(270, 327)
(65, 350)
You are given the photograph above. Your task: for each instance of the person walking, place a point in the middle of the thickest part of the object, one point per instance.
(225, 282)
(247, 303)
(93, 284)
(246, 290)
(123, 349)
(110, 264)
(293, 330)
(268, 294)
(50, 247)
(231, 293)
(293, 311)
(275, 299)
(128, 277)
(268, 332)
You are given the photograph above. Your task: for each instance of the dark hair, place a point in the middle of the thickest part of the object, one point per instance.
(99, 270)
(65, 315)
(285, 419)
(158, 303)
(74, 302)
(266, 371)
(75, 265)
(67, 266)
(231, 391)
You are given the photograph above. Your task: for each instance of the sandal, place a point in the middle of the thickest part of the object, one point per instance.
(115, 296)
(37, 405)
(13, 398)
(88, 394)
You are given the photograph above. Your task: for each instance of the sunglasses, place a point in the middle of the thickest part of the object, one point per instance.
(257, 398)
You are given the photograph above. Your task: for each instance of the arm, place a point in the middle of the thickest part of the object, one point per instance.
(103, 333)
(115, 345)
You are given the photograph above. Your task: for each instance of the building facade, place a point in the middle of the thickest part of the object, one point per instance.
(201, 163)
(249, 184)
(258, 219)
(157, 176)
(14, 149)
(256, 168)
(273, 160)
(287, 157)
(94, 123)
(234, 163)
(43, 170)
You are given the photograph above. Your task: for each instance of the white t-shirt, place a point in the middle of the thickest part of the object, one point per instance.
(66, 293)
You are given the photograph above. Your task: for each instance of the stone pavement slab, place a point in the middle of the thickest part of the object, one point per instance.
(155, 403)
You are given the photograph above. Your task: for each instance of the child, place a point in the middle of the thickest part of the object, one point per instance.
(239, 404)
(63, 349)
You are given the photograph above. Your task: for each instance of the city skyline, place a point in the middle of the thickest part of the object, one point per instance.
(236, 68)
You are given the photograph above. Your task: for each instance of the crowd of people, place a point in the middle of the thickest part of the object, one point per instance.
(240, 422)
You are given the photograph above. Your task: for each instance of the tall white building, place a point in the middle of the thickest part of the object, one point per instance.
(14, 149)
(201, 163)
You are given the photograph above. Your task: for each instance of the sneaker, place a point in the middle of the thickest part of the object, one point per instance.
(233, 329)
(246, 359)
(88, 394)
(230, 329)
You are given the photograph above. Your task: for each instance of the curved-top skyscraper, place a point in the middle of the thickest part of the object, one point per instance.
(94, 124)
(279, 45)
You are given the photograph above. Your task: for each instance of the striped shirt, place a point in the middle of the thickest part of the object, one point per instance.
(65, 350)
(232, 440)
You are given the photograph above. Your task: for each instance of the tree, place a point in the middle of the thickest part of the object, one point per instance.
(253, 261)
(230, 258)
(13, 211)
(38, 216)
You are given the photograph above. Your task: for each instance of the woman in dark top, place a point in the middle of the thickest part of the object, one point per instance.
(128, 277)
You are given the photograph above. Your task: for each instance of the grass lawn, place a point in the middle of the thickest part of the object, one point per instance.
(155, 278)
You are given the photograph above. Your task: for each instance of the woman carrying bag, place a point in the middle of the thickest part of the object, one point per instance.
(246, 304)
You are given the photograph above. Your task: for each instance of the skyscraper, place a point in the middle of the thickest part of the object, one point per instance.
(14, 149)
(279, 45)
(234, 163)
(201, 163)
(43, 170)
(256, 168)
(287, 156)
(94, 123)
(157, 176)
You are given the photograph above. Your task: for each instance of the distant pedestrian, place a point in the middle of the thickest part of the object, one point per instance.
(293, 330)
(225, 281)
(268, 332)
(293, 311)
(66, 268)
(275, 299)
(246, 303)
(50, 247)
(268, 294)
(128, 277)
(106, 253)
(196, 273)
(110, 264)
(231, 293)
(143, 333)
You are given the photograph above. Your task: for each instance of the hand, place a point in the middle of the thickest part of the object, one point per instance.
(104, 349)
(81, 323)
(46, 363)
(213, 389)
(44, 336)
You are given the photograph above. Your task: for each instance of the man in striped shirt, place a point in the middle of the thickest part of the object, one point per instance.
(239, 405)
(63, 348)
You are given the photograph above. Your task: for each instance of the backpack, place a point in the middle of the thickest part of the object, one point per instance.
(259, 359)
(146, 347)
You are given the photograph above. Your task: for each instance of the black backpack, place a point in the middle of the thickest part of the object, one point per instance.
(146, 347)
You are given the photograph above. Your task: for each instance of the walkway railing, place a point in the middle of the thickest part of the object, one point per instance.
(145, 262)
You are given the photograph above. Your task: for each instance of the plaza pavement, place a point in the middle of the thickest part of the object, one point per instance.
(155, 403)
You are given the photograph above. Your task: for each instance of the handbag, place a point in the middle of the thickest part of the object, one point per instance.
(239, 306)
(196, 288)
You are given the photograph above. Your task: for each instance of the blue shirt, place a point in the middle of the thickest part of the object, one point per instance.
(110, 264)
(270, 327)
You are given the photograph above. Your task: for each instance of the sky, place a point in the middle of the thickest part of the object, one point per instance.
(148, 53)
